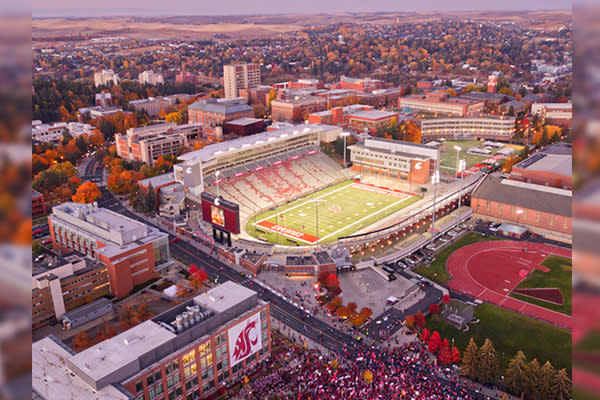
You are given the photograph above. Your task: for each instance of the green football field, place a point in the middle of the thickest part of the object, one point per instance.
(342, 210)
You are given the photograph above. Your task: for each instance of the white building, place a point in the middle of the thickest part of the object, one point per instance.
(240, 76)
(483, 127)
(151, 78)
(54, 132)
(153, 105)
(105, 77)
(553, 111)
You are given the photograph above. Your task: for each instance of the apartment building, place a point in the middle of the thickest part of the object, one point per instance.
(105, 77)
(440, 103)
(240, 76)
(492, 127)
(150, 78)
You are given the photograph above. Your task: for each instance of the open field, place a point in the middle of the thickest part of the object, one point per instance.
(437, 270)
(558, 277)
(499, 325)
(342, 209)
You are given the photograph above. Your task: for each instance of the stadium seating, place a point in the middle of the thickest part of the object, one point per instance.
(278, 184)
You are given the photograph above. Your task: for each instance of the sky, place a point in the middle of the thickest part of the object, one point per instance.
(48, 8)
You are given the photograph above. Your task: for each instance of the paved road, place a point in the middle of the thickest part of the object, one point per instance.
(91, 169)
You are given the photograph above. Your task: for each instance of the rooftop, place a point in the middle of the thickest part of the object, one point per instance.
(223, 297)
(158, 180)
(221, 107)
(373, 114)
(554, 158)
(530, 196)
(51, 379)
(244, 121)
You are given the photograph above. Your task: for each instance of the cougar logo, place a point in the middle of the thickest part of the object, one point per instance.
(418, 165)
(244, 343)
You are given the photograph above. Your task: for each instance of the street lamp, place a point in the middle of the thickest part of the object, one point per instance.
(458, 149)
(217, 179)
(462, 165)
(345, 135)
(435, 179)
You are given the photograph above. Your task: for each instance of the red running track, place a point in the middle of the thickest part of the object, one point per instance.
(490, 271)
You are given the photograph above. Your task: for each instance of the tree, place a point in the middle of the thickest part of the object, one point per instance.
(434, 309)
(488, 362)
(425, 335)
(470, 360)
(352, 307)
(532, 383)
(446, 299)
(419, 319)
(87, 192)
(181, 291)
(322, 277)
(562, 385)
(455, 355)
(81, 341)
(367, 312)
(198, 278)
(107, 332)
(142, 312)
(515, 377)
(342, 312)
(126, 317)
(445, 355)
(409, 322)
(331, 307)
(435, 342)
(546, 384)
(332, 281)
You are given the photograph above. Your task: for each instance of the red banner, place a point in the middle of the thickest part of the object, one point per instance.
(289, 232)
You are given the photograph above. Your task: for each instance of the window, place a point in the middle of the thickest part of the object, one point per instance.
(222, 351)
(220, 339)
(223, 376)
(189, 357)
(236, 367)
(208, 386)
(172, 367)
(173, 380)
(191, 383)
(263, 314)
(175, 393)
(206, 361)
(203, 349)
(153, 378)
(155, 391)
(189, 370)
(222, 364)
(195, 395)
(139, 386)
(208, 373)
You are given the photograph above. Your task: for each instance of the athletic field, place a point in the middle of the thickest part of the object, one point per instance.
(342, 210)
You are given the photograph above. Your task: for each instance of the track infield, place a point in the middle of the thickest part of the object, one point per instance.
(342, 210)
(490, 271)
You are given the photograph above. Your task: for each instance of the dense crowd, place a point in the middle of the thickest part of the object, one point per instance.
(406, 372)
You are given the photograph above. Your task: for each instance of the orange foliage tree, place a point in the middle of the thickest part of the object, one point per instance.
(87, 192)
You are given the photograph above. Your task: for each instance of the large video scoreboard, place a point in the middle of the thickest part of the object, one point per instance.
(221, 213)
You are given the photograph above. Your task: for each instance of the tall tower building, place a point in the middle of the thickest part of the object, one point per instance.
(492, 83)
(240, 76)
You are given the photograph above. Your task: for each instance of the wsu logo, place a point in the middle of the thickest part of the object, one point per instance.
(244, 342)
(418, 165)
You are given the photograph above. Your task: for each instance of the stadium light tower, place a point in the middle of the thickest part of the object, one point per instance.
(462, 164)
(345, 135)
(458, 149)
(217, 176)
(435, 179)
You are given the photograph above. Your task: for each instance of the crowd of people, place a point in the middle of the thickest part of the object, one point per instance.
(406, 372)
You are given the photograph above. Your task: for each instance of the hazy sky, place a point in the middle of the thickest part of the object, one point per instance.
(228, 7)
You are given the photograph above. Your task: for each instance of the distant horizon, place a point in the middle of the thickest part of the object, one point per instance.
(228, 8)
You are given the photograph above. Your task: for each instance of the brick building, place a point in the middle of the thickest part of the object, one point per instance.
(550, 167)
(441, 103)
(131, 250)
(147, 143)
(297, 108)
(38, 204)
(542, 209)
(63, 284)
(337, 116)
(215, 112)
(371, 120)
(245, 126)
(189, 351)
(256, 95)
(360, 84)
(240, 76)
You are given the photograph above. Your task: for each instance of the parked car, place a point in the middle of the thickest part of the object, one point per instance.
(388, 269)
(494, 227)
(443, 239)
(400, 264)
(409, 261)
(452, 233)
(430, 247)
(391, 277)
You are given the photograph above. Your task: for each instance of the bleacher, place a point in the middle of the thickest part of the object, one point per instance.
(280, 180)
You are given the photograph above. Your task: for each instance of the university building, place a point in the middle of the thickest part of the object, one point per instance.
(213, 113)
(131, 250)
(395, 159)
(187, 352)
(481, 127)
(240, 76)
(440, 103)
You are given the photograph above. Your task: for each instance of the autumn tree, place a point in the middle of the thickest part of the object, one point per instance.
(87, 192)
(410, 321)
(445, 355)
(533, 377)
(515, 377)
(434, 309)
(81, 341)
(198, 279)
(342, 312)
(366, 311)
(546, 382)
(142, 313)
(425, 335)
(488, 362)
(562, 385)
(352, 307)
(435, 342)
(470, 360)
(446, 299)
(419, 319)
(106, 332)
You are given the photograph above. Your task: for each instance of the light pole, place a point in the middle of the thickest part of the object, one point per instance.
(345, 135)
(458, 149)
(217, 176)
(462, 164)
(435, 179)
(519, 212)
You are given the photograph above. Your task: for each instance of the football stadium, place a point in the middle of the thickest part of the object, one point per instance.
(285, 185)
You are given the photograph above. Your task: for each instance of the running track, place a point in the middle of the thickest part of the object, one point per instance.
(490, 271)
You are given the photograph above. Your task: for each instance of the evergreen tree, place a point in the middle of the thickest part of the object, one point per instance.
(470, 360)
(562, 385)
(150, 199)
(488, 362)
(533, 377)
(514, 378)
(511, 111)
(547, 376)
